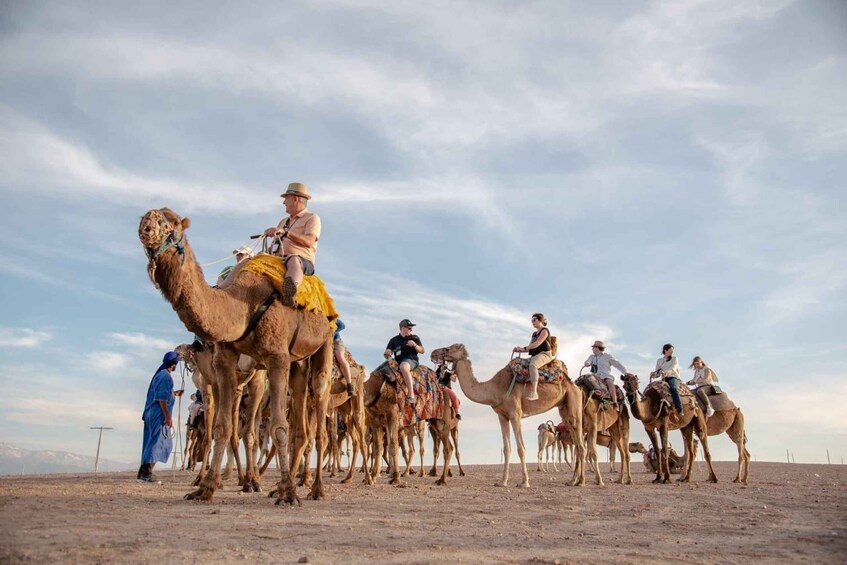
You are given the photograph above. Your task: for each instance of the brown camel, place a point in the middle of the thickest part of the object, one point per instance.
(675, 461)
(436, 449)
(384, 414)
(510, 404)
(729, 419)
(546, 444)
(656, 415)
(406, 439)
(281, 336)
(564, 444)
(601, 417)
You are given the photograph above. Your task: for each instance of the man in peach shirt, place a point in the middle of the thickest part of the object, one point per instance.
(298, 235)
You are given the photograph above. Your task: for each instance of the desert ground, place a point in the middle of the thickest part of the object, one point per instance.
(788, 513)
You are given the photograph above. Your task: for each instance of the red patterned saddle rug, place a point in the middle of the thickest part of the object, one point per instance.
(428, 392)
(553, 372)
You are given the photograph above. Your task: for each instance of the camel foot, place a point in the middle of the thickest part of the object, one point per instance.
(524, 484)
(683, 480)
(394, 481)
(317, 492)
(251, 486)
(666, 480)
(202, 493)
(501, 484)
(346, 480)
(227, 475)
(449, 473)
(461, 473)
(657, 480)
(288, 497)
(196, 482)
(432, 472)
(713, 479)
(441, 482)
(579, 483)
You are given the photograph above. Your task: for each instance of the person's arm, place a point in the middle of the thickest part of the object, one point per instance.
(389, 349)
(164, 406)
(617, 364)
(301, 240)
(587, 361)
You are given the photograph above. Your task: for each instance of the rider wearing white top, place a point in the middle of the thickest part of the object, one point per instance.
(704, 379)
(601, 364)
(667, 367)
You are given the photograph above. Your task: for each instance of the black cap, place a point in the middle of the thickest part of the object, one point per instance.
(406, 323)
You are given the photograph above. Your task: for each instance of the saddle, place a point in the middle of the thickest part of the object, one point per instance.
(663, 391)
(311, 295)
(428, 392)
(553, 372)
(591, 386)
(717, 398)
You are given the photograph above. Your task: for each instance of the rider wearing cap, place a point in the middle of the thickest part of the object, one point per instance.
(405, 347)
(299, 235)
(241, 254)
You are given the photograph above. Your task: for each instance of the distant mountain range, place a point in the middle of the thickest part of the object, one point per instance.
(16, 461)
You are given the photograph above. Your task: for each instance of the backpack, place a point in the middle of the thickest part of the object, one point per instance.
(554, 344)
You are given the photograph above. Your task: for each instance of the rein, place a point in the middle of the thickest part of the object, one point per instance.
(258, 314)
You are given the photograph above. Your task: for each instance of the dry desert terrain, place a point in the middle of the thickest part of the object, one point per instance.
(788, 513)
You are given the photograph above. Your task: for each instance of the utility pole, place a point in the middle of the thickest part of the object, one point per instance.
(99, 440)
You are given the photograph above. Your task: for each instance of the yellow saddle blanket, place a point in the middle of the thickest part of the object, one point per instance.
(311, 294)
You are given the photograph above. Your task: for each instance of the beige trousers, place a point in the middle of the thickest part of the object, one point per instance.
(537, 361)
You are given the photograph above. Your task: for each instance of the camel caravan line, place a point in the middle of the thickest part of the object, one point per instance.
(268, 378)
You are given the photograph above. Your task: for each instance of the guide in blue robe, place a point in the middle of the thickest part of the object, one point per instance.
(158, 438)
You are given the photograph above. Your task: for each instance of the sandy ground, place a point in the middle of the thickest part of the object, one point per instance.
(788, 513)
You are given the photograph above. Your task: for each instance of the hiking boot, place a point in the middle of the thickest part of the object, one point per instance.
(350, 391)
(533, 395)
(149, 478)
(289, 289)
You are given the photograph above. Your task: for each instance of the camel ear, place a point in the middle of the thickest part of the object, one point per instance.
(186, 222)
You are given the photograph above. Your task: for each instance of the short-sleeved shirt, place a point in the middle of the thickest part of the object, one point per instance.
(304, 223)
(604, 363)
(397, 345)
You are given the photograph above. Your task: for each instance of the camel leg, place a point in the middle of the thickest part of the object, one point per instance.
(621, 435)
(454, 433)
(393, 429)
(254, 389)
(224, 364)
(436, 449)
(739, 438)
(664, 460)
(702, 432)
(690, 452)
(507, 449)
(321, 383)
(207, 437)
(591, 433)
(612, 450)
(279, 370)
(516, 427)
(421, 430)
(540, 467)
(443, 429)
(654, 441)
(377, 433)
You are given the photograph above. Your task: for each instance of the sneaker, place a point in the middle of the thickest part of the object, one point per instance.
(533, 395)
(350, 391)
(411, 400)
(151, 478)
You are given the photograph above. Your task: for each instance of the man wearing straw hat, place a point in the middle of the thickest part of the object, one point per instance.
(298, 234)
(601, 364)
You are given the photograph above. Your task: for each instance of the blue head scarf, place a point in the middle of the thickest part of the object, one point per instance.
(170, 358)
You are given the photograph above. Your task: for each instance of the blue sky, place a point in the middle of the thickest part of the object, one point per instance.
(641, 173)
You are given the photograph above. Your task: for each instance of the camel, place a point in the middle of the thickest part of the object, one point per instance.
(675, 461)
(245, 318)
(729, 419)
(406, 439)
(436, 449)
(509, 403)
(600, 417)
(564, 444)
(384, 414)
(546, 444)
(656, 415)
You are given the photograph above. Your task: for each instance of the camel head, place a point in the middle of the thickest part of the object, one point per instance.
(451, 354)
(630, 383)
(188, 355)
(637, 447)
(161, 231)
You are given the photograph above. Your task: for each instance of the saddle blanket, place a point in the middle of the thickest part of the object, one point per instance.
(428, 392)
(662, 389)
(562, 428)
(591, 384)
(553, 372)
(311, 294)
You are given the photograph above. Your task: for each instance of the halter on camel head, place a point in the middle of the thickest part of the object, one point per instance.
(158, 234)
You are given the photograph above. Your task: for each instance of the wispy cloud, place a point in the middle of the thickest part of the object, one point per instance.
(23, 337)
(107, 361)
(141, 341)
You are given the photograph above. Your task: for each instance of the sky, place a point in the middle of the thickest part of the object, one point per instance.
(642, 173)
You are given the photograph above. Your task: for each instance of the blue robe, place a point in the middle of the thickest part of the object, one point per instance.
(158, 441)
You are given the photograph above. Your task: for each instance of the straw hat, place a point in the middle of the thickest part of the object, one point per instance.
(599, 344)
(297, 189)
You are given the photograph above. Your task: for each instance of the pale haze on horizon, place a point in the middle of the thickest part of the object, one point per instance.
(641, 173)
